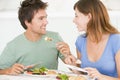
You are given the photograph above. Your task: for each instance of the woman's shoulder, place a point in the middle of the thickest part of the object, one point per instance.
(115, 36)
(81, 37)
(115, 42)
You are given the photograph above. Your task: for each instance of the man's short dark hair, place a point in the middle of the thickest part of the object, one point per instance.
(27, 10)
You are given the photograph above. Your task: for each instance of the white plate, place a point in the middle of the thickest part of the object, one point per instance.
(47, 75)
(41, 76)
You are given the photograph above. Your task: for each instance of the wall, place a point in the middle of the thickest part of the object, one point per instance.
(59, 22)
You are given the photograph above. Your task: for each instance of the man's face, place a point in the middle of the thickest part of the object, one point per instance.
(39, 22)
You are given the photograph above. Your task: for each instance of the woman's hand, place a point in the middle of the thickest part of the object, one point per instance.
(15, 69)
(63, 48)
(94, 73)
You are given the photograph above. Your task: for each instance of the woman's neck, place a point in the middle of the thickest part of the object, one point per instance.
(104, 37)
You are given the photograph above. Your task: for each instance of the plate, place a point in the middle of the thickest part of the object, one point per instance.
(41, 76)
(49, 73)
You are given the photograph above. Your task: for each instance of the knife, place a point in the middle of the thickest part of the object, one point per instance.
(77, 68)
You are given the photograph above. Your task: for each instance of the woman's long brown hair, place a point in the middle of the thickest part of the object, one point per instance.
(99, 23)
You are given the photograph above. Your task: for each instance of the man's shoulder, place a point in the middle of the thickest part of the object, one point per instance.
(54, 35)
(16, 39)
(52, 32)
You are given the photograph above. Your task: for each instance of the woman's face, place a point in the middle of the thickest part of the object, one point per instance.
(81, 20)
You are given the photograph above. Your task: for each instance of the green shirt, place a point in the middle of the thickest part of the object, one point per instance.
(20, 50)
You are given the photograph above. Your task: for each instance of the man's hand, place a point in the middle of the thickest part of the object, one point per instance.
(70, 59)
(63, 48)
(15, 69)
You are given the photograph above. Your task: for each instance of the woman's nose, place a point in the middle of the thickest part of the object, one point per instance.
(74, 20)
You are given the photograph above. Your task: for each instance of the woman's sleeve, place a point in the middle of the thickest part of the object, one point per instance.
(78, 43)
(116, 43)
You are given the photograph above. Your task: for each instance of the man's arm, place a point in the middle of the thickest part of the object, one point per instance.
(15, 69)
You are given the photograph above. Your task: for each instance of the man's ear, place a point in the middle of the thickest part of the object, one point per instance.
(27, 23)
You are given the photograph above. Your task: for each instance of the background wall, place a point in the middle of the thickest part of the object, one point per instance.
(60, 20)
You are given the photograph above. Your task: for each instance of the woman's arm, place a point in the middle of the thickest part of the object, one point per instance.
(78, 56)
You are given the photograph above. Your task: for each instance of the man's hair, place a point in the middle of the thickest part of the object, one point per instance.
(27, 10)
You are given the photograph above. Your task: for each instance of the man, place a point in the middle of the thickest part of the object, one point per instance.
(35, 45)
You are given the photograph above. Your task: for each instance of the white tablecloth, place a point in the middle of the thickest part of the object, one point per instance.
(25, 77)
(32, 77)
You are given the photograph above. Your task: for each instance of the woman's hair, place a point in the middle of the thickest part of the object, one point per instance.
(99, 23)
(28, 9)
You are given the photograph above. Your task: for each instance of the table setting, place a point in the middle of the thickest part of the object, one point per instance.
(47, 74)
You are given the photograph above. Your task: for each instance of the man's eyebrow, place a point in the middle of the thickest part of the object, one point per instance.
(44, 16)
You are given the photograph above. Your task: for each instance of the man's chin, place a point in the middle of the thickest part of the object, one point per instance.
(44, 32)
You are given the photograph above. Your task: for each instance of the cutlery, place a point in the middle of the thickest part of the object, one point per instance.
(28, 67)
(76, 68)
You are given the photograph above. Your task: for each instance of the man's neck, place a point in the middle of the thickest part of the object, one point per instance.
(32, 36)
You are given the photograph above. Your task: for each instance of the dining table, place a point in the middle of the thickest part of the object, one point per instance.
(33, 77)
(47, 76)
(26, 77)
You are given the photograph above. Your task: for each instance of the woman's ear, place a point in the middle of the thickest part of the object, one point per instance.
(89, 16)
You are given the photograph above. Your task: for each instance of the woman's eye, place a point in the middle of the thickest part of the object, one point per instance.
(76, 16)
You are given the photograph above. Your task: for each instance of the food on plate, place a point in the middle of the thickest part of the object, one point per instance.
(59, 75)
(68, 77)
(39, 71)
(51, 72)
(62, 77)
(48, 39)
(77, 78)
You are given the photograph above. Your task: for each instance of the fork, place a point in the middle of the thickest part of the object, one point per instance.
(78, 61)
(31, 66)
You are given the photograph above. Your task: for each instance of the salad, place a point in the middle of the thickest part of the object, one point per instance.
(38, 71)
(62, 77)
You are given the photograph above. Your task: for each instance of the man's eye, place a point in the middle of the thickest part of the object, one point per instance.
(41, 18)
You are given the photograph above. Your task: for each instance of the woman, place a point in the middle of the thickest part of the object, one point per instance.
(99, 47)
